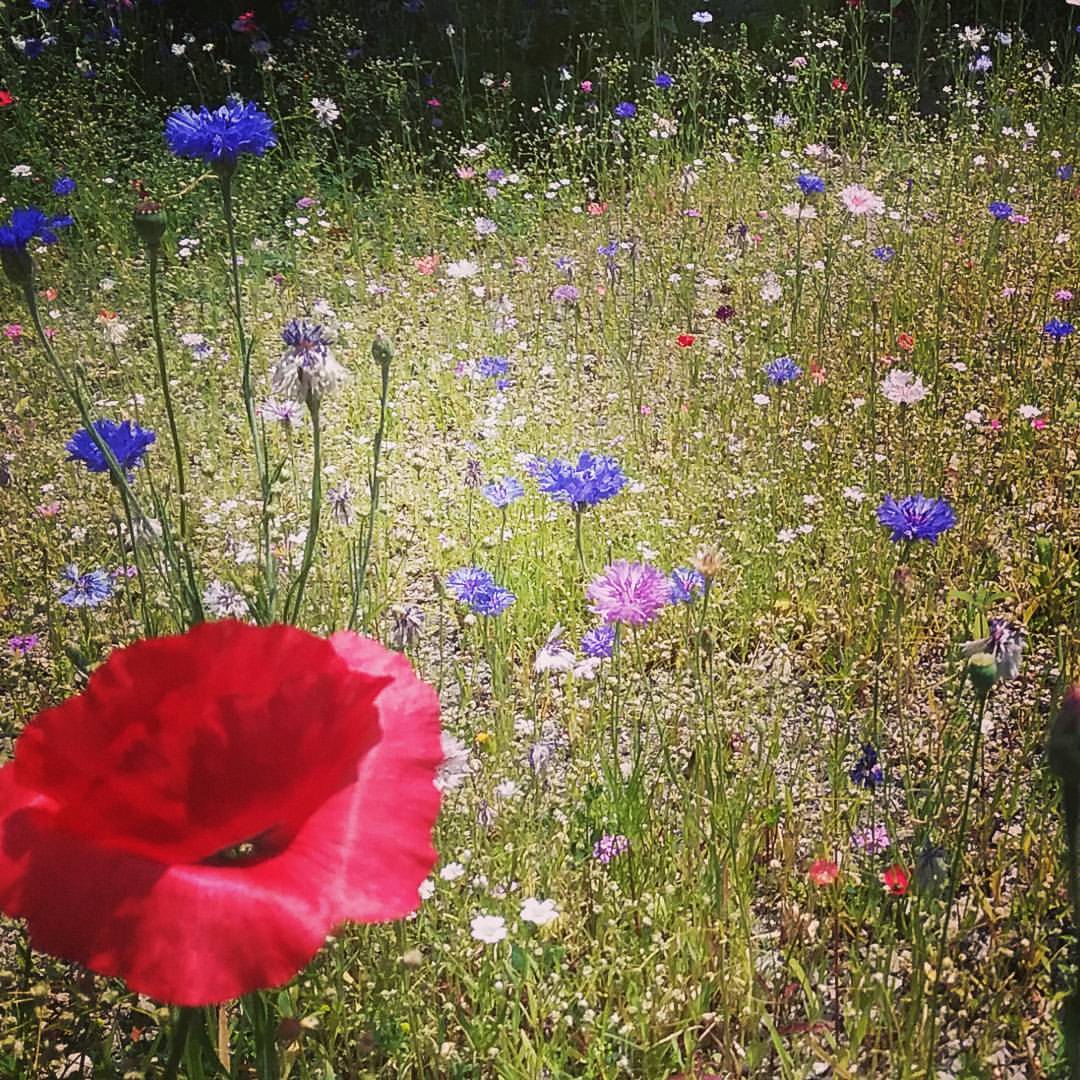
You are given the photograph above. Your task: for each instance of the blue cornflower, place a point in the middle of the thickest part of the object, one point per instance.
(592, 479)
(491, 367)
(782, 370)
(916, 517)
(476, 587)
(125, 439)
(493, 601)
(884, 253)
(599, 642)
(1001, 210)
(626, 110)
(33, 47)
(981, 64)
(610, 249)
(218, 138)
(686, 583)
(501, 493)
(809, 184)
(63, 185)
(1058, 329)
(663, 80)
(1064, 172)
(40, 5)
(867, 772)
(87, 590)
(29, 223)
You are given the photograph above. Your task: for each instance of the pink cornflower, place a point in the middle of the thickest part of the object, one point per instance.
(1063, 296)
(859, 200)
(586, 86)
(426, 264)
(629, 592)
(13, 331)
(1039, 423)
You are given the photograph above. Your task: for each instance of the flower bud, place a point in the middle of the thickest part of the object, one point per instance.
(983, 672)
(1063, 749)
(149, 220)
(382, 348)
(707, 562)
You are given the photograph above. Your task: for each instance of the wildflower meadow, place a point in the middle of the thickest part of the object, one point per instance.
(539, 541)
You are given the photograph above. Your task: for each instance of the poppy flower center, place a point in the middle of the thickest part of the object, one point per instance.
(262, 846)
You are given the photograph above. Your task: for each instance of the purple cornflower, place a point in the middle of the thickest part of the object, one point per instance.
(1064, 172)
(867, 772)
(610, 249)
(872, 840)
(685, 585)
(610, 846)
(501, 493)
(916, 518)
(1001, 210)
(474, 472)
(22, 644)
(809, 184)
(629, 592)
(599, 642)
(626, 110)
(566, 294)
(725, 312)
(782, 370)
(884, 253)
(218, 138)
(127, 442)
(1058, 329)
(87, 590)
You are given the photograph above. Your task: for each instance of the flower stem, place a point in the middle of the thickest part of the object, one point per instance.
(180, 1035)
(297, 592)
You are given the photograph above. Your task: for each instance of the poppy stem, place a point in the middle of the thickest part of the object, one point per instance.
(180, 1035)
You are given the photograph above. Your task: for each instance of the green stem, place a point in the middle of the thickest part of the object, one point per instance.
(180, 1035)
(313, 520)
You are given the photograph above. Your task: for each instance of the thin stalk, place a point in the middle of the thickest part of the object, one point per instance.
(297, 594)
(180, 1036)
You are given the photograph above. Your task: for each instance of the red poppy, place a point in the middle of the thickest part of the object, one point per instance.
(5, 99)
(245, 23)
(906, 342)
(684, 341)
(215, 803)
(839, 84)
(895, 880)
(824, 872)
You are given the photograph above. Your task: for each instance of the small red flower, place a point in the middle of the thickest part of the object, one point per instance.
(245, 23)
(817, 373)
(6, 99)
(596, 208)
(906, 342)
(684, 341)
(824, 872)
(215, 803)
(896, 880)
(839, 84)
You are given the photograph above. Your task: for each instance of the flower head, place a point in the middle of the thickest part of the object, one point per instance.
(219, 137)
(591, 479)
(610, 846)
(192, 776)
(85, 590)
(307, 370)
(29, 223)
(884, 253)
(685, 584)
(1001, 210)
(490, 929)
(903, 387)
(539, 912)
(1058, 329)
(809, 184)
(916, 517)
(476, 587)
(859, 201)
(127, 442)
(629, 592)
(867, 772)
(599, 642)
(501, 493)
(823, 872)
(782, 370)
(63, 185)
(896, 880)
(626, 110)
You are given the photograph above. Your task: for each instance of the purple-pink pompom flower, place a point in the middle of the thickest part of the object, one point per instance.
(629, 592)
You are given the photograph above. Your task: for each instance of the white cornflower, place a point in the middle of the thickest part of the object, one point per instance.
(455, 763)
(462, 268)
(903, 388)
(222, 601)
(307, 370)
(452, 871)
(21, 171)
(485, 226)
(702, 18)
(326, 111)
(553, 655)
